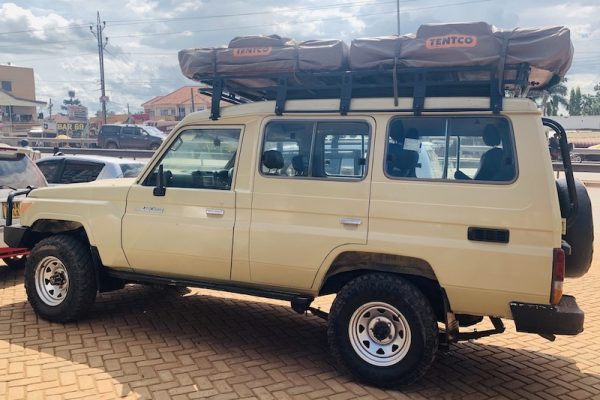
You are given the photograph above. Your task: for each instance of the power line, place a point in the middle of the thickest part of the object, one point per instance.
(246, 14)
(56, 28)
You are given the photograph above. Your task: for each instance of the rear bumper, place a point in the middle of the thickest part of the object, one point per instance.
(565, 318)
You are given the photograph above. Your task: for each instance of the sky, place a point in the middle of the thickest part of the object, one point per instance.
(144, 36)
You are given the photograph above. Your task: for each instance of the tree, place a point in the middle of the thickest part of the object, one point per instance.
(575, 102)
(71, 101)
(590, 104)
(550, 99)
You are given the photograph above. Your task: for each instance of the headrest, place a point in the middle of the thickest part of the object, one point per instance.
(491, 136)
(397, 133)
(300, 164)
(272, 159)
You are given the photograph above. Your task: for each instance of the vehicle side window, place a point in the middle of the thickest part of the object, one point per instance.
(451, 148)
(50, 169)
(128, 130)
(315, 149)
(109, 130)
(199, 159)
(77, 172)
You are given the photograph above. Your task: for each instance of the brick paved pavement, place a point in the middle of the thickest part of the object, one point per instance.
(146, 343)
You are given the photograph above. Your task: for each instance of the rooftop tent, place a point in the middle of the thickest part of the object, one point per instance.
(458, 59)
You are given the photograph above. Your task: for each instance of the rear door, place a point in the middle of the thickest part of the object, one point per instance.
(310, 197)
(127, 137)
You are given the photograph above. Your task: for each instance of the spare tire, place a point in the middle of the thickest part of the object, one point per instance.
(580, 229)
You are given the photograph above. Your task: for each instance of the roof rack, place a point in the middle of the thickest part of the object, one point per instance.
(419, 83)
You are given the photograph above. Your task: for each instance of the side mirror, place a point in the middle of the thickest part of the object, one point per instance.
(160, 188)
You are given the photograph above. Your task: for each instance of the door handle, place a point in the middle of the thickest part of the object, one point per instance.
(215, 211)
(350, 221)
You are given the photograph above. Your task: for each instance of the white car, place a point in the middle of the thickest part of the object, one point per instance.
(17, 171)
(62, 169)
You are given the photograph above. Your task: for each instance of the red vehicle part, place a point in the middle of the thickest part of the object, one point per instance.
(7, 252)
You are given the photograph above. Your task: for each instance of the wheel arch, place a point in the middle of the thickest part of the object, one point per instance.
(349, 265)
(45, 227)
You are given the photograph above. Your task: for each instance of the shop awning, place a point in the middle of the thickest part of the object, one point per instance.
(6, 99)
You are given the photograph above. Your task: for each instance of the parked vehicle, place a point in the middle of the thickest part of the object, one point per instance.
(117, 136)
(17, 171)
(61, 169)
(421, 196)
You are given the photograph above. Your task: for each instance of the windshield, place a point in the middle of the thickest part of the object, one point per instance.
(154, 131)
(19, 171)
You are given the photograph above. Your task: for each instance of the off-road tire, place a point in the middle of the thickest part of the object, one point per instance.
(580, 229)
(414, 307)
(76, 258)
(15, 262)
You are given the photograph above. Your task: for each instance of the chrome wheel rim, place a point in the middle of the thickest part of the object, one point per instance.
(51, 281)
(379, 334)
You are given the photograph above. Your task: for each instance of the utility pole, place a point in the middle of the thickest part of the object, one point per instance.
(192, 94)
(101, 45)
(50, 109)
(398, 15)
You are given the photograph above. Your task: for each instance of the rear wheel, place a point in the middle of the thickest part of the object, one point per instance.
(383, 330)
(154, 146)
(111, 145)
(60, 279)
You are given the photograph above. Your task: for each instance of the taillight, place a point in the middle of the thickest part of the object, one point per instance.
(558, 276)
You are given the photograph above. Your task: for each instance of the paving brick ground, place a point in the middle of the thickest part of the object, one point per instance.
(146, 343)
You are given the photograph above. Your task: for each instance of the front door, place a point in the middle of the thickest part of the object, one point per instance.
(311, 197)
(188, 232)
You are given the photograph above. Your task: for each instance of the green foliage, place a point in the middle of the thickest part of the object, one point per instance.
(71, 101)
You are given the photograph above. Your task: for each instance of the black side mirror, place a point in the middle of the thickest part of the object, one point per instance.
(160, 188)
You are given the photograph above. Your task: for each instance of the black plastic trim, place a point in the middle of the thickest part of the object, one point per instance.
(565, 318)
(221, 286)
(16, 236)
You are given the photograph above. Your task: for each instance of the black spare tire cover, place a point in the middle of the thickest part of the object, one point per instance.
(580, 229)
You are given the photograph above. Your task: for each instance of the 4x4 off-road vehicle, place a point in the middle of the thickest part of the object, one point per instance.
(422, 195)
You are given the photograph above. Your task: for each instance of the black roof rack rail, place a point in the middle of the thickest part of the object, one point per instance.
(419, 83)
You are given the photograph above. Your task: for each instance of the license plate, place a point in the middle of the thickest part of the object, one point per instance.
(15, 210)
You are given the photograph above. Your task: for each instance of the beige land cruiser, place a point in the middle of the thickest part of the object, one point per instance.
(423, 206)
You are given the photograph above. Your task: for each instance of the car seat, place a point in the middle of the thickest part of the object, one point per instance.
(273, 161)
(402, 162)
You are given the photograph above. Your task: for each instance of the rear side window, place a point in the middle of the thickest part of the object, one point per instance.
(131, 170)
(315, 149)
(110, 130)
(50, 169)
(18, 171)
(77, 172)
(451, 148)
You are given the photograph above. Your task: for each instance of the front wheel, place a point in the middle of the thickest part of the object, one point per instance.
(60, 278)
(383, 330)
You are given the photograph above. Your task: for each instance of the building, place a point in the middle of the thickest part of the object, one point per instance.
(18, 106)
(176, 105)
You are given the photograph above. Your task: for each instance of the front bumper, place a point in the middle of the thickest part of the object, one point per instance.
(15, 236)
(565, 318)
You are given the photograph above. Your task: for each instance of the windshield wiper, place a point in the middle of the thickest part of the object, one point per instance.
(7, 187)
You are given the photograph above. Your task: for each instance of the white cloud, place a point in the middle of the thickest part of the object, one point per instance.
(140, 65)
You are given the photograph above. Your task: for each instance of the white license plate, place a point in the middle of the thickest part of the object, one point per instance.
(15, 210)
